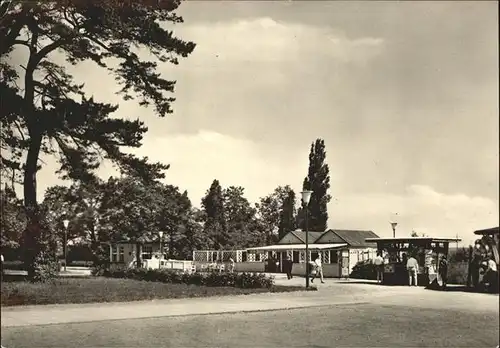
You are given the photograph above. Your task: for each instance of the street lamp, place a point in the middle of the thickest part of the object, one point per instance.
(161, 243)
(393, 225)
(66, 224)
(306, 197)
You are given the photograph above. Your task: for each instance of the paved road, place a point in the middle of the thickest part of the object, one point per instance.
(359, 325)
(349, 315)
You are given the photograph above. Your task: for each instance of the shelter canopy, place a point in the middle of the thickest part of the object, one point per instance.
(487, 231)
(411, 239)
(279, 247)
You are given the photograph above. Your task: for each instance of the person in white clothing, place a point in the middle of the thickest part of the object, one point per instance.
(231, 265)
(492, 265)
(319, 269)
(412, 267)
(378, 261)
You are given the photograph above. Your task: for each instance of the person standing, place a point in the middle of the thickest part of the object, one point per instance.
(319, 269)
(231, 265)
(443, 271)
(288, 264)
(378, 261)
(412, 268)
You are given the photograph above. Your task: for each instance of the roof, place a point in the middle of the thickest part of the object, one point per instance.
(297, 247)
(409, 239)
(125, 241)
(355, 238)
(493, 230)
(312, 235)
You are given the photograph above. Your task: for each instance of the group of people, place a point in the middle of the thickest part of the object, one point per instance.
(315, 268)
(411, 266)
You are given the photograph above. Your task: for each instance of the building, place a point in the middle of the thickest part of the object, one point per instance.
(124, 252)
(340, 250)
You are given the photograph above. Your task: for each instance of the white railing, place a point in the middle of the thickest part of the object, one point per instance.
(179, 265)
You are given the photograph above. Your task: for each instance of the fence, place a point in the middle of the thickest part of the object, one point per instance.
(210, 256)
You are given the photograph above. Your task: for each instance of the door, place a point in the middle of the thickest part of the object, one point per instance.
(344, 264)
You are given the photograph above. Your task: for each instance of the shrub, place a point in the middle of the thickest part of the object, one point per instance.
(457, 273)
(46, 267)
(364, 270)
(211, 279)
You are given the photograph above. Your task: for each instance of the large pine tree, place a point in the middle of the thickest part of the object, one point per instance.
(213, 206)
(318, 181)
(50, 113)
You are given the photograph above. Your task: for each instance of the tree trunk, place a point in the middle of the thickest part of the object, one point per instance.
(32, 232)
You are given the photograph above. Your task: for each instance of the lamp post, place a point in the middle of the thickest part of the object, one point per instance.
(306, 197)
(161, 243)
(393, 225)
(66, 224)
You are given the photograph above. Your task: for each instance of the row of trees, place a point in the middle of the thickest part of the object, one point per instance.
(128, 209)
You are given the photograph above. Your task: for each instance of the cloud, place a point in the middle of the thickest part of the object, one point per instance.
(267, 40)
(420, 208)
(197, 159)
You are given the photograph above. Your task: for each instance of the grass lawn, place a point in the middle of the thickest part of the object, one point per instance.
(100, 289)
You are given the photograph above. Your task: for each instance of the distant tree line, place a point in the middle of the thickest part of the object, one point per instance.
(124, 208)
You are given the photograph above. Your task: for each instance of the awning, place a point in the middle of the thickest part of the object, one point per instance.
(487, 231)
(278, 247)
(411, 239)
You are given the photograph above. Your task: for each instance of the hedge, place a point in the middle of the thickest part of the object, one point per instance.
(212, 279)
(364, 270)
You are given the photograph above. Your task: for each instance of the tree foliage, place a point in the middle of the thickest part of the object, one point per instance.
(287, 213)
(81, 204)
(12, 219)
(318, 181)
(214, 219)
(243, 229)
(277, 212)
(131, 211)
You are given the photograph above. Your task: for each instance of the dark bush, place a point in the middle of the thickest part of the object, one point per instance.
(212, 279)
(364, 270)
(46, 267)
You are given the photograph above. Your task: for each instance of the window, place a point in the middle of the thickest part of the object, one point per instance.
(121, 253)
(114, 253)
(296, 257)
(334, 256)
(147, 252)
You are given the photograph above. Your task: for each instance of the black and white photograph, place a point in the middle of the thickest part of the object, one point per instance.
(265, 173)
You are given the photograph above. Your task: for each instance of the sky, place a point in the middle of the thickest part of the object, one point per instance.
(405, 95)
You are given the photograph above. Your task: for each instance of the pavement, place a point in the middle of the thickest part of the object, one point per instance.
(333, 292)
